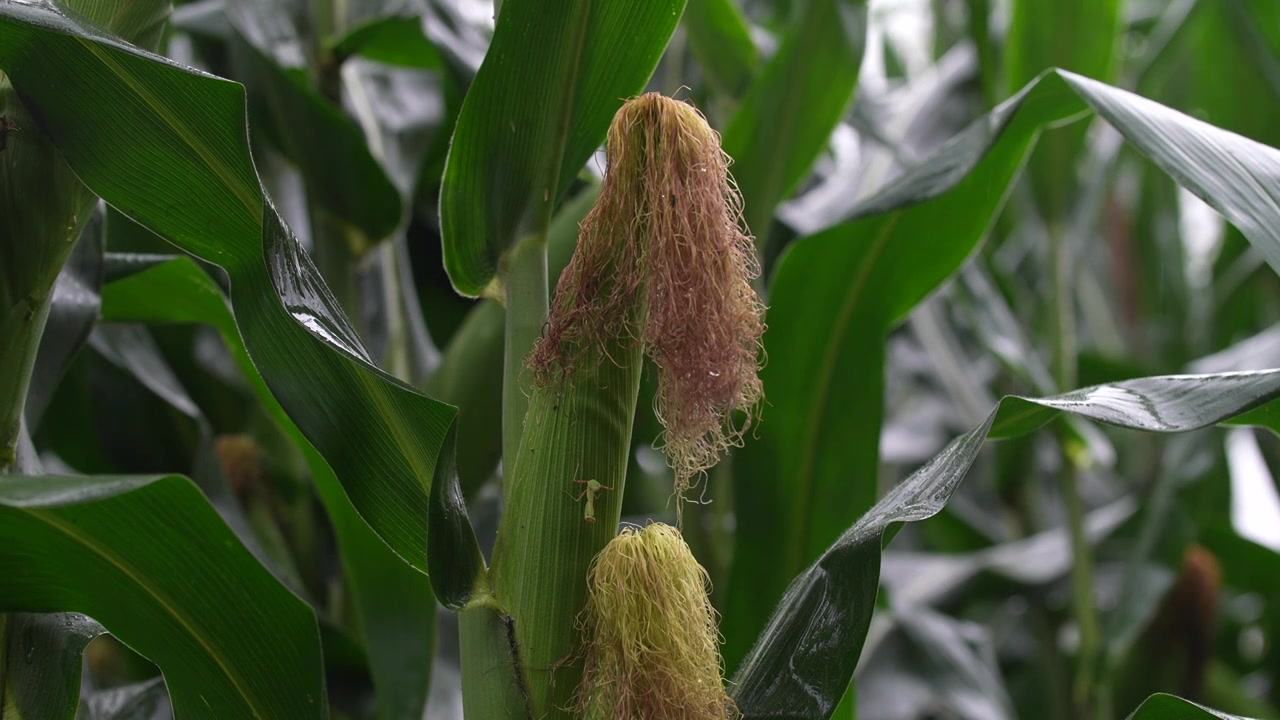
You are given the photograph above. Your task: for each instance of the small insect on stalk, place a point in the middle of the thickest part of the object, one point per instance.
(589, 492)
(6, 126)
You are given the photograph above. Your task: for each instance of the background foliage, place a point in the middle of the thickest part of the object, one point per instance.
(257, 407)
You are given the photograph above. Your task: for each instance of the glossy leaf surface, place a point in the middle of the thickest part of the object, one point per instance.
(231, 641)
(1168, 707)
(42, 674)
(803, 661)
(393, 601)
(836, 294)
(100, 100)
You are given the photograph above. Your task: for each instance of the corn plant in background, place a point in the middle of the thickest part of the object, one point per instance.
(567, 359)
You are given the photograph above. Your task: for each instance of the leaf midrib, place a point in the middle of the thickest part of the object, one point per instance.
(251, 201)
(820, 395)
(173, 609)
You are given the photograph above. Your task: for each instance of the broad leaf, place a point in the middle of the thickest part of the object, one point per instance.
(1168, 707)
(100, 101)
(813, 465)
(836, 294)
(43, 664)
(72, 313)
(803, 661)
(151, 561)
(538, 107)
(1075, 35)
(394, 602)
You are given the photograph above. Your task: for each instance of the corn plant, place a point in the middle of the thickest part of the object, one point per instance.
(638, 359)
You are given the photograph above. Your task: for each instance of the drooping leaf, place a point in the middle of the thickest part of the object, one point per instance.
(457, 565)
(43, 663)
(151, 561)
(803, 660)
(1169, 707)
(538, 107)
(394, 602)
(73, 311)
(836, 294)
(100, 100)
(833, 298)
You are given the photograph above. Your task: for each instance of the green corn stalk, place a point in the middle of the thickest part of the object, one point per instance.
(662, 269)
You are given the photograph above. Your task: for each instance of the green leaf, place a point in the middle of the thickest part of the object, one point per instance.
(836, 294)
(1076, 35)
(457, 565)
(538, 107)
(100, 101)
(473, 358)
(787, 116)
(151, 561)
(43, 663)
(394, 40)
(1169, 707)
(803, 661)
(466, 378)
(72, 313)
(393, 601)
(721, 40)
(813, 465)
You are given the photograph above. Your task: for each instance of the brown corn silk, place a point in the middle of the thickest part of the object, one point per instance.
(666, 238)
(652, 649)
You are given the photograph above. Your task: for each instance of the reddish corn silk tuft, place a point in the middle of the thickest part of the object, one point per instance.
(663, 260)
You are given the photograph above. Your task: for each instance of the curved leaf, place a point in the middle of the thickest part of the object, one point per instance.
(1169, 707)
(833, 299)
(802, 663)
(45, 683)
(836, 294)
(394, 602)
(72, 313)
(231, 641)
(539, 106)
(457, 565)
(195, 185)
